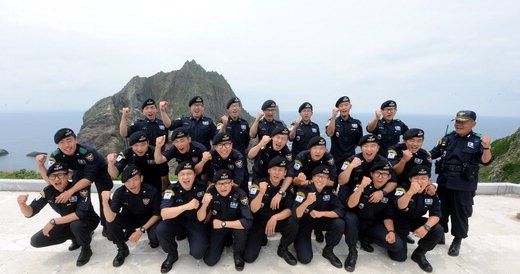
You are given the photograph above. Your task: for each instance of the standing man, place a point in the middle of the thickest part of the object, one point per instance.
(344, 132)
(265, 121)
(152, 126)
(183, 149)
(229, 214)
(385, 127)
(235, 126)
(77, 219)
(461, 152)
(141, 154)
(303, 130)
(179, 212)
(201, 128)
(133, 211)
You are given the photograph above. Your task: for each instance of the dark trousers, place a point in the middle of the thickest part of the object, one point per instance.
(288, 227)
(375, 231)
(458, 206)
(193, 229)
(427, 243)
(127, 222)
(217, 237)
(334, 227)
(102, 183)
(79, 230)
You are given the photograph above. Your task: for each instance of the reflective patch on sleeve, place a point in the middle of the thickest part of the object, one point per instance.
(300, 196)
(254, 189)
(391, 154)
(400, 191)
(345, 165)
(297, 165)
(168, 194)
(40, 195)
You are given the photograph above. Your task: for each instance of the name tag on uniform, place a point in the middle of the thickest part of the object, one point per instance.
(384, 200)
(81, 161)
(73, 199)
(314, 130)
(205, 123)
(354, 126)
(161, 127)
(233, 205)
(428, 201)
(418, 161)
(326, 198)
(470, 144)
(243, 127)
(398, 128)
(151, 162)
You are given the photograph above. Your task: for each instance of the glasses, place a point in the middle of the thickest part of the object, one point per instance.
(226, 145)
(322, 177)
(59, 176)
(383, 175)
(389, 109)
(221, 184)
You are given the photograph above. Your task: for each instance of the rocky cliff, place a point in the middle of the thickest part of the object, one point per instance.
(100, 127)
(506, 166)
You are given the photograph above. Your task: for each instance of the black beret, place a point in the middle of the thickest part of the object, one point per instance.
(186, 165)
(56, 167)
(137, 137)
(389, 103)
(465, 115)
(222, 174)
(196, 99)
(278, 161)
(316, 141)
(381, 165)
(148, 102)
(343, 99)
(419, 170)
(321, 169)
(369, 138)
(221, 137)
(304, 106)
(279, 130)
(413, 132)
(268, 104)
(62, 134)
(129, 172)
(179, 133)
(232, 101)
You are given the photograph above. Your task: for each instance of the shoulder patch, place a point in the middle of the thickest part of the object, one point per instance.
(83, 193)
(297, 164)
(83, 150)
(245, 201)
(345, 165)
(479, 135)
(391, 154)
(254, 189)
(239, 164)
(55, 152)
(90, 157)
(168, 194)
(400, 191)
(40, 195)
(300, 196)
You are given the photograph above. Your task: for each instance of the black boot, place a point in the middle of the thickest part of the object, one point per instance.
(319, 236)
(442, 241)
(455, 247)
(74, 245)
(84, 255)
(365, 245)
(328, 254)
(419, 257)
(122, 253)
(350, 262)
(286, 255)
(239, 261)
(410, 240)
(264, 240)
(168, 263)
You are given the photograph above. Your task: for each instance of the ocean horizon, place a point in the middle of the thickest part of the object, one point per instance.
(25, 132)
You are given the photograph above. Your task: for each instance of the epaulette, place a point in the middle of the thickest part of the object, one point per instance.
(83, 150)
(479, 135)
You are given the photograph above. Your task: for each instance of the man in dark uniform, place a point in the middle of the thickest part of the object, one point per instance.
(412, 204)
(316, 206)
(152, 126)
(183, 149)
(133, 211)
(265, 121)
(141, 154)
(226, 208)
(77, 218)
(461, 152)
(88, 164)
(201, 128)
(303, 130)
(358, 166)
(385, 127)
(373, 220)
(344, 132)
(224, 156)
(235, 126)
(268, 220)
(179, 211)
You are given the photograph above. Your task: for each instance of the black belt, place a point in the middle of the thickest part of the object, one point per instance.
(457, 168)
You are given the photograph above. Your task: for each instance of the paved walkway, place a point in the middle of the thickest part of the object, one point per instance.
(492, 247)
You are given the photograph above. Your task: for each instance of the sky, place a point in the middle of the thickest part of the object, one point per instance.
(432, 57)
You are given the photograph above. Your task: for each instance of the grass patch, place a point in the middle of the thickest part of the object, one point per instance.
(501, 146)
(20, 174)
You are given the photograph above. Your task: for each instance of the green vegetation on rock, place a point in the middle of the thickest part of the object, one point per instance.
(506, 166)
(20, 174)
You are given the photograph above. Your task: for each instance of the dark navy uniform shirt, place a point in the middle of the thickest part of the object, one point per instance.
(239, 131)
(234, 206)
(326, 200)
(345, 138)
(142, 206)
(266, 154)
(421, 157)
(175, 195)
(304, 163)
(304, 133)
(236, 163)
(388, 133)
(194, 153)
(371, 212)
(362, 170)
(265, 212)
(152, 129)
(151, 172)
(265, 127)
(202, 130)
(419, 205)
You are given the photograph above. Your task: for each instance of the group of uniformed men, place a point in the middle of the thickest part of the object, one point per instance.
(376, 196)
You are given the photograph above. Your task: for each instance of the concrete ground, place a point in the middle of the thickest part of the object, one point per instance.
(492, 247)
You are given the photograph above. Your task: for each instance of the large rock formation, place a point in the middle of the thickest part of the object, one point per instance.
(100, 127)
(506, 166)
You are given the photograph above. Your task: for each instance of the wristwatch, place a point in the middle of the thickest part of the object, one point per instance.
(427, 227)
(281, 193)
(223, 224)
(52, 221)
(142, 229)
(384, 192)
